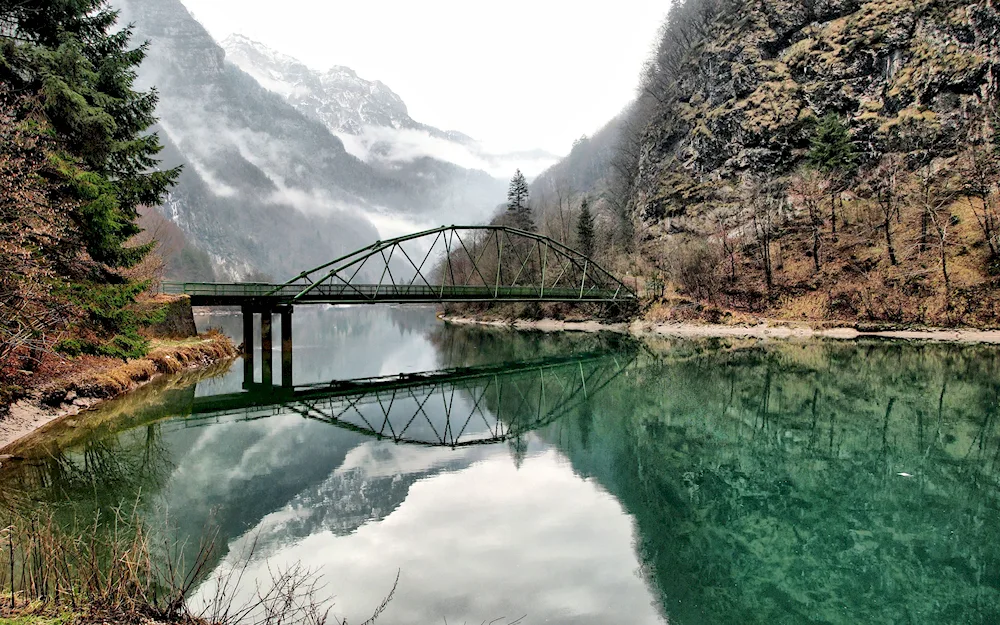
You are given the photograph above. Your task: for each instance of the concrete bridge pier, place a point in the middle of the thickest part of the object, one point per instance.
(286, 346)
(266, 347)
(248, 346)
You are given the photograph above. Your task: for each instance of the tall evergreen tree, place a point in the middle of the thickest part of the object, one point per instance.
(517, 202)
(84, 70)
(585, 229)
(67, 76)
(832, 152)
(831, 149)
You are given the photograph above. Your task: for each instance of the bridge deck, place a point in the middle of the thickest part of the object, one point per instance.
(260, 294)
(384, 387)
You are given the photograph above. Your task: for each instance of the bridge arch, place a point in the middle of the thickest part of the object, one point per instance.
(460, 264)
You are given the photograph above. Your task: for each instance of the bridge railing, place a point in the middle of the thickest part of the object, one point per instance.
(383, 291)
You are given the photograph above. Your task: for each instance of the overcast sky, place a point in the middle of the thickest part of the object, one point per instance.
(516, 75)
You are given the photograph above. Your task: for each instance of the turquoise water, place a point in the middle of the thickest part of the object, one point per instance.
(610, 481)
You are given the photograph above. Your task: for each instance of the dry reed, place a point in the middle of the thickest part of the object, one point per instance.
(115, 569)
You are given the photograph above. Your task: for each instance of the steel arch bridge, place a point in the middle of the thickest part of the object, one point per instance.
(457, 407)
(445, 264)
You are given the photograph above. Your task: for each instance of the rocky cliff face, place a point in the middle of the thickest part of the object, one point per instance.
(756, 76)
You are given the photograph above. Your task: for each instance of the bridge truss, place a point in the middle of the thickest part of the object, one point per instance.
(467, 263)
(449, 408)
(446, 264)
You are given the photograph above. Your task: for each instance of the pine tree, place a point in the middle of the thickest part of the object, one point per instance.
(833, 153)
(831, 149)
(517, 203)
(585, 229)
(84, 71)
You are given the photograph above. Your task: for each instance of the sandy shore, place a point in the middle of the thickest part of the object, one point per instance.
(767, 330)
(27, 415)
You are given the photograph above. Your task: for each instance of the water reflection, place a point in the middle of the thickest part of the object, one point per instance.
(820, 482)
(685, 482)
(454, 407)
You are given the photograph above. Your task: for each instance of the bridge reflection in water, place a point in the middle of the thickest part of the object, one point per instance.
(454, 407)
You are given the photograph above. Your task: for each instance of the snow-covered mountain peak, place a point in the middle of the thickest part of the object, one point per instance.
(338, 97)
(243, 45)
(369, 117)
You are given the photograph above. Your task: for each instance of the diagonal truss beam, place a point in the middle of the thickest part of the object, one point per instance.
(514, 253)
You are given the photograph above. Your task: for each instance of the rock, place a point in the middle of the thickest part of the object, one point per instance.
(747, 97)
(70, 396)
(52, 396)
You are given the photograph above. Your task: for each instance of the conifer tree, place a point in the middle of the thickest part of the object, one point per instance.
(84, 70)
(585, 229)
(833, 153)
(831, 149)
(517, 202)
(67, 72)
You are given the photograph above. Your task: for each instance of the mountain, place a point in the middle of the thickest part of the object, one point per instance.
(267, 190)
(745, 96)
(807, 159)
(338, 97)
(371, 119)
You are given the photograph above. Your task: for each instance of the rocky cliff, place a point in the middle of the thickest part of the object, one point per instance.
(748, 80)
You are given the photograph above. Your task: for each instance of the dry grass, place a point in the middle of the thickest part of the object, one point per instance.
(165, 357)
(116, 571)
(108, 569)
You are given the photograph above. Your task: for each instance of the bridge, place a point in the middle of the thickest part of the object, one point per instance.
(449, 264)
(454, 407)
(456, 264)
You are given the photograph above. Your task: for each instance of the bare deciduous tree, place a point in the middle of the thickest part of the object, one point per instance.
(809, 188)
(935, 192)
(886, 179)
(980, 172)
(767, 202)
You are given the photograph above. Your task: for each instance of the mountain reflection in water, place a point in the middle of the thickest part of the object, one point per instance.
(712, 481)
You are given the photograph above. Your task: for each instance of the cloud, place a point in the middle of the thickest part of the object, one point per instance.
(380, 143)
(215, 186)
(451, 538)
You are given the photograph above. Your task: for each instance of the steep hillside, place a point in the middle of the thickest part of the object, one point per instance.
(809, 159)
(373, 121)
(742, 85)
(267, 189)
(591, 170)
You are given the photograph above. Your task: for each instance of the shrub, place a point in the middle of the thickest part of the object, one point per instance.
(693, 266)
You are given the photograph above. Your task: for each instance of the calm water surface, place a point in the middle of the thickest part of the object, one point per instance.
(603, 482)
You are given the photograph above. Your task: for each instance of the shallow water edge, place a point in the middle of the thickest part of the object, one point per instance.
(763, 330)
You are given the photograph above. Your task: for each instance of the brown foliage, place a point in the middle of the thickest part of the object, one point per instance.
(39, 243)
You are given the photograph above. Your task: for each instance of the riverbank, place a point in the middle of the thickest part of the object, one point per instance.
(762, 329)
(84, 382)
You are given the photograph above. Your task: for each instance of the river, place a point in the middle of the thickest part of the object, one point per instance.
(603, 481)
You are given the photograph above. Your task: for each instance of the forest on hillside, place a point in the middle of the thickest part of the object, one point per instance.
(802, 159)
